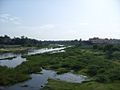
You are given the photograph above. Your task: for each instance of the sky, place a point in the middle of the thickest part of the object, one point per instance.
(60, 19)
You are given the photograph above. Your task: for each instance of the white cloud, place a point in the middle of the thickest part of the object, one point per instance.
(7, 18)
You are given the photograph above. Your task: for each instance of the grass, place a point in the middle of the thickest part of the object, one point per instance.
(14, 49)
(61, 85)
(9, 76)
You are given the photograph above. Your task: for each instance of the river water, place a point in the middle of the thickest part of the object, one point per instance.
(18, 59)
(38, 81)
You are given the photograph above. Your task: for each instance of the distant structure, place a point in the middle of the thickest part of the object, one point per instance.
(97, 40)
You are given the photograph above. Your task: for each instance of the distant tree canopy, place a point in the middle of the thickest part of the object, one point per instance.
(64, 42)
(6, 40)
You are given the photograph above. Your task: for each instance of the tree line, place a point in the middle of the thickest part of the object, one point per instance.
(6, 40)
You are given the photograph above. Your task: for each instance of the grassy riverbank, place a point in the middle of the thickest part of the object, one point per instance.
(61, 85)
(9, 76)
(20, 49)
(15, 49)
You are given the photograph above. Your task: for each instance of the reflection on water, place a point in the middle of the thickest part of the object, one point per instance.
(70, 77)
(38, 81)
(18, 60)
(7, 55)
(12, 63)
(34, 84)
(44, 50)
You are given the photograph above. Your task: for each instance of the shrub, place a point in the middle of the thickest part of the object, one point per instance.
(102, 78)
(92, 70)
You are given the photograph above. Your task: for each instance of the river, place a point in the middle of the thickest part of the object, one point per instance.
(19, 59)
(38, 81)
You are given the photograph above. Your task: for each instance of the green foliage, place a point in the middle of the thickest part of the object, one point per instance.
(11, 76)
(102, 78)
(61, 85)
(93, 69)
(76, 59)
(116, 55)
(62, 70)
(112, 51)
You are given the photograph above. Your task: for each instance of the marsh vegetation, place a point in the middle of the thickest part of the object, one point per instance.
(100, 63)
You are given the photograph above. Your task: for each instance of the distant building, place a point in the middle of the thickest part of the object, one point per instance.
(97, 40)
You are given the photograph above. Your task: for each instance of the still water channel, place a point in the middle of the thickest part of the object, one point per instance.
(38, 81)
(18, 59)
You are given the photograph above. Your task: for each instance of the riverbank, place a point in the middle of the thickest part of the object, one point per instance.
(39, 80)
(61, 85)
(15, 49)
(20, 49)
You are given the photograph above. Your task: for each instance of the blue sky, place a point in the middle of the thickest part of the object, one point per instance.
(60, 19)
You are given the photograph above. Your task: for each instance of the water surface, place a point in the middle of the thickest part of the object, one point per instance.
(38, 81)
(18, 59)
(12, 63)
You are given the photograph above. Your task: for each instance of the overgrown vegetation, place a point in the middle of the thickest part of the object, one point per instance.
(10, 76)
(61, 85)
(92, 61)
